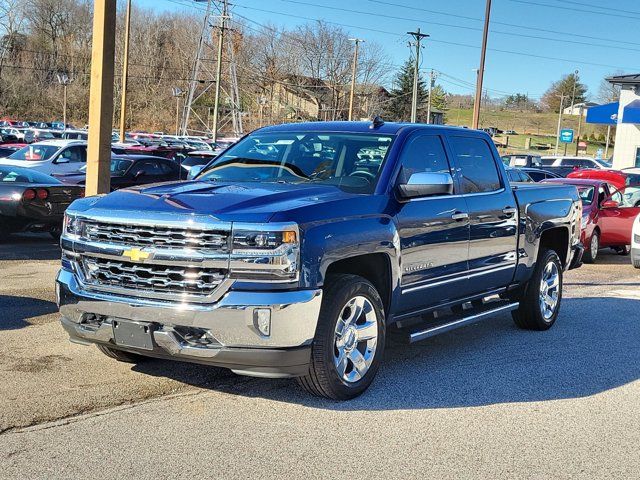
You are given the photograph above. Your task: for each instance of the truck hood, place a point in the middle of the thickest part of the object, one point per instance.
(246, 202)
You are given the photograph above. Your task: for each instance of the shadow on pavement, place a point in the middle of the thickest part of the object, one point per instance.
(585, 353)
(30, 247)
(22, 308)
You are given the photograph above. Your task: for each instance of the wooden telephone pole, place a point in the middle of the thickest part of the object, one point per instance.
(418, 36)
(483, 54)
(353, 75)
(101, 97)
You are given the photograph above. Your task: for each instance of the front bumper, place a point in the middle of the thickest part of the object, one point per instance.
(236, 342)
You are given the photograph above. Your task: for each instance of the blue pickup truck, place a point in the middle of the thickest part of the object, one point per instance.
(300, 249)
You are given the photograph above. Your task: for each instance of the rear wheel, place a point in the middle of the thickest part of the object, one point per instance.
(120, 355)
(349, 342)
(623, 251)
(591, 252)
(540, 301)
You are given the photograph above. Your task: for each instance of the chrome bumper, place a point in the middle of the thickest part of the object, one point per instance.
(238, 344)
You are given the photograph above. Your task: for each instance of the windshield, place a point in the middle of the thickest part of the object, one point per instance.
(586, 194)
(351, 162)
(547, 161)
(34, 153)
(602, 163)
(24, 175)
(119, 167)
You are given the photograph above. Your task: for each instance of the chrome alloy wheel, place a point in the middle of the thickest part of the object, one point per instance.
(355, 339)
(594, 245)
(549, 290)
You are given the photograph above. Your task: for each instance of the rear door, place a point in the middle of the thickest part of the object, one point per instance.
(434, 231)
(493, 213)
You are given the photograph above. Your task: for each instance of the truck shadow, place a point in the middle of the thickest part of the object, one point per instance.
(22, 309)
(492, 362)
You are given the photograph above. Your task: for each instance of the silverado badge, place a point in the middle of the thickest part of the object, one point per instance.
(136, 255)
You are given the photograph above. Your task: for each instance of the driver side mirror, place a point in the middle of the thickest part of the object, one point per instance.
(194, 171)
(423, 184)
(138, 174)
(62, 160)
(609, 204)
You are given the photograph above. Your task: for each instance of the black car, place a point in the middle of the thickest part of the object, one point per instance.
(538, 174)
(130, 170)
(31, 201)
(8, 149)
(195, 159)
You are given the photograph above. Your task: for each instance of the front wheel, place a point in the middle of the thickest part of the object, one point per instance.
(591, 252)
(350, 338)
(540, 302)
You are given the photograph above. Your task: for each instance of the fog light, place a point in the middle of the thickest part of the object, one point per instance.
(262, 320)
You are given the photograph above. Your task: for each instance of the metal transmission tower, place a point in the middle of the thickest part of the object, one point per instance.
(204, 77)
(418, 36)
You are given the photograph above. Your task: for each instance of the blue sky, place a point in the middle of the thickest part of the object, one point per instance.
(586, 35)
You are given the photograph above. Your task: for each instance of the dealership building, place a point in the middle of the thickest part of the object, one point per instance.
(625, 116)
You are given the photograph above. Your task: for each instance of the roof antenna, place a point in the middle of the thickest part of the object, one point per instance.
(376, 122)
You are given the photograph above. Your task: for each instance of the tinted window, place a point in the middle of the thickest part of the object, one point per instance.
(150, 167)
(24, 175)
(586, 194)
(424, 153)
(475, 164)
(74, 154)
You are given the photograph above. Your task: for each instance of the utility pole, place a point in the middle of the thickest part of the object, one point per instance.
(101, 97)
(64, 80)
(559, 124)
(125, 72)
(416, 73)
(432, 79)
(579, 128)
(177, 93)
(216, 103)
(483, 54)
(573, 94)
(606, 148)
(353, 75)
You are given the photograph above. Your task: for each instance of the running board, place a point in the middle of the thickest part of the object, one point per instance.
(459, 321)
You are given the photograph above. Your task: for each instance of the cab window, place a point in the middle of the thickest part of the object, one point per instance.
(475, 164)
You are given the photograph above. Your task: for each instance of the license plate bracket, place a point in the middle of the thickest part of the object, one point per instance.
(128, 333)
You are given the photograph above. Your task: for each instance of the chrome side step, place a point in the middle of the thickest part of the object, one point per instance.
(458, 322)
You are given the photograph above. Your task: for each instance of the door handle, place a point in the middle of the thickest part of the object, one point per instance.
(460, 216)
(509, 210)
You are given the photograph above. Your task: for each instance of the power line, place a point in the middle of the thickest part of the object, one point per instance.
(506, 24)
(571, 61)
(462, 27)
(582, 10)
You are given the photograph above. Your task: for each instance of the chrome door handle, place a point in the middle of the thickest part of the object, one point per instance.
(460, 216)
(509, 210)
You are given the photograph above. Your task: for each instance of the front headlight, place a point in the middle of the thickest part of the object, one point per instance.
(72, 226)
(269, 252)
(585, 222)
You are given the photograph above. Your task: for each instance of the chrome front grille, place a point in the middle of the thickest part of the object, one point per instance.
(157, 236)
(101, 272)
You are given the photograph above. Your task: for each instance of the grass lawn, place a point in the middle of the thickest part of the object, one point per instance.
(540, 127)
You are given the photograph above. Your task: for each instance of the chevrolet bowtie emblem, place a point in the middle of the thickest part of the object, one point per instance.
(136, 255)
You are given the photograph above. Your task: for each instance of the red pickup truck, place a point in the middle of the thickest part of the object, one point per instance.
(607, 215)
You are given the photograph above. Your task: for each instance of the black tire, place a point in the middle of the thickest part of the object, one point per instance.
(529, 314)
(121, 355)
(591, 252)
(323, 378)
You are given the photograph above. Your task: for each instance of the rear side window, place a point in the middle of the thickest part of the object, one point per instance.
(424, 153)
(475, 164)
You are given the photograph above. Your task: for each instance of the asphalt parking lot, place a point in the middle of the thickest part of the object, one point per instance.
(485, 401)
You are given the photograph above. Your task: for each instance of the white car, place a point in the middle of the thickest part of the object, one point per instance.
(635, 243)
(580, 162)
(50, 156)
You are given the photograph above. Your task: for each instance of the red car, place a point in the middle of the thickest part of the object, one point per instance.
(607, 215)
(617, 178)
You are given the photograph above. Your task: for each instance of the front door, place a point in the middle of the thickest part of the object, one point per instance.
(434, 232)
(493, 214)
(617, 214)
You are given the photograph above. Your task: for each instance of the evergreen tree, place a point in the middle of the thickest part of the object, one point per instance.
(439, 100)
(399, 108)
(564, 86)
